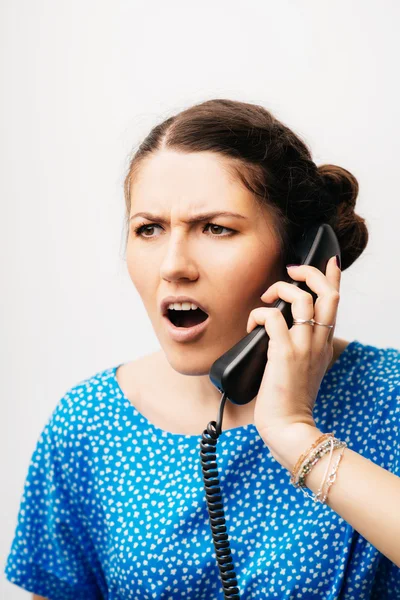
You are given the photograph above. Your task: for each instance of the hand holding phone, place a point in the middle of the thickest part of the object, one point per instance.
(239, 371)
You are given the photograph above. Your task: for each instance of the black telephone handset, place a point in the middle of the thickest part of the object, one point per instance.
(240, 370)
(238, 374)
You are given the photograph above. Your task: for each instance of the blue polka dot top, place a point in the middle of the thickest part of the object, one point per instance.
(114, 507)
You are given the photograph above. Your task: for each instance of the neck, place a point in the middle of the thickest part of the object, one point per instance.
(202, 394)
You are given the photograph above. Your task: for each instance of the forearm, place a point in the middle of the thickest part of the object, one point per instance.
(363, 494)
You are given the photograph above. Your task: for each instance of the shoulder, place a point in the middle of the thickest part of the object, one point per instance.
(360, 401)
(363, 384)
(77, 411)
(89, 405)
(378, 366)
(373, 386)
(378, 405)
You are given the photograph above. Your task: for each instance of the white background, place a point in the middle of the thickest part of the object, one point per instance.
(82, 83)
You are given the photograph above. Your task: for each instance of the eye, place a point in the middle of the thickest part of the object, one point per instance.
(220, 227)
(138, 230)
(141, 228)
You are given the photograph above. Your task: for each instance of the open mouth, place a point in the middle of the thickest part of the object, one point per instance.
(187, 318)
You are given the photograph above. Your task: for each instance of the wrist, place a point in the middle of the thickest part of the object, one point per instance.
(288, 443)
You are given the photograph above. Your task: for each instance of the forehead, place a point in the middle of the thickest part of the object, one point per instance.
(201, 180)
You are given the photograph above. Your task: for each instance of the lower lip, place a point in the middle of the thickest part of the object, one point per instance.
(185, 334)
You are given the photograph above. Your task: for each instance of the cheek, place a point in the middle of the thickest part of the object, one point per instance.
(252, 273)
(140, 271)
(239, 285)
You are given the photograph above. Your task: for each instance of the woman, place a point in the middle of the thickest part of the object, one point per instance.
(114, 504)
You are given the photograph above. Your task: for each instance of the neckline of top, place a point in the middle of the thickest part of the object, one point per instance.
(345, 354)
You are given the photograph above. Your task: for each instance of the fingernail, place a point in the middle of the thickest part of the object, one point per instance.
(292, 266)
(338, 260)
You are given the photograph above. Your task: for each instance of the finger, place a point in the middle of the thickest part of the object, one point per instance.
(275, 325)
(327, 288)
(302, 307)
(327, 312)
(317, 281)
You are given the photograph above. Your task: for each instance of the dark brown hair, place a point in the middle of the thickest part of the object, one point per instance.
(272, 162)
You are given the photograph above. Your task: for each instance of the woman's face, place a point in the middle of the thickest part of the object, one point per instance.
(226, 271)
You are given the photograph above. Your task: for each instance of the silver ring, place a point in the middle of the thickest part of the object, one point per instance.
(311, 322)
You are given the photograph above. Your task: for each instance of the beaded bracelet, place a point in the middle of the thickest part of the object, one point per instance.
(315, 457)
(305, 454)
(334, 443)
(331, 478)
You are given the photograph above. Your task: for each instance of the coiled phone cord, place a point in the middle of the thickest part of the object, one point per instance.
(215, 506)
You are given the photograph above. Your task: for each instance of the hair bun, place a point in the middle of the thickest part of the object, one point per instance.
(351, 230)
(341, 185)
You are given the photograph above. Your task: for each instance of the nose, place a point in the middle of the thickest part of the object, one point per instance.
(178, 262)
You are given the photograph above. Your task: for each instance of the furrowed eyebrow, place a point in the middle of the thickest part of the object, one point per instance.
(195, 219)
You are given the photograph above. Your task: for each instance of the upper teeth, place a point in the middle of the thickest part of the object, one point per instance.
(182, 306)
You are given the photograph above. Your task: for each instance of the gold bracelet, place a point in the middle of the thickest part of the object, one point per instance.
(309, 458)
(318, 454)
(305, 454)
(332, 475)
(317, 496)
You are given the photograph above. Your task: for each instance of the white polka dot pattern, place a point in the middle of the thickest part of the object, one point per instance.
(114, 507)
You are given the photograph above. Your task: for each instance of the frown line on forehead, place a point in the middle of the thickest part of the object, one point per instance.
(195, 219)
